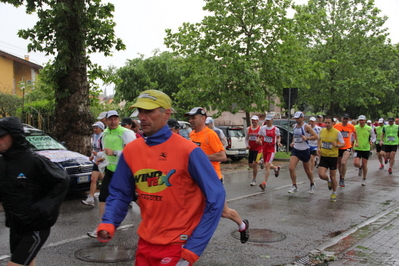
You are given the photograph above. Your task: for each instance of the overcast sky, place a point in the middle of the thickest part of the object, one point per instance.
(141, 24)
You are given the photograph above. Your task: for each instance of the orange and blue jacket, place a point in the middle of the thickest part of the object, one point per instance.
(180, 196)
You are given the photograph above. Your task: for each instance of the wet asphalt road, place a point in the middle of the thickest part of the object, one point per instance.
(307, 221)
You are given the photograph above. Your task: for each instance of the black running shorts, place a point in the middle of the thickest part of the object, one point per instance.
(389, 148)
(328, 162)
(341, 151)
(361, 154)
(104, 193)
(25, 246)
(252, 156)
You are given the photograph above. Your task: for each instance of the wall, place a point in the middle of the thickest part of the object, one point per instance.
(6, 76)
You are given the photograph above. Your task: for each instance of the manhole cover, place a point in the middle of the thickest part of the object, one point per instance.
(261, 236)
(105, 254)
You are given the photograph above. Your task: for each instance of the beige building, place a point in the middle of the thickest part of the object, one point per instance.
(16, 73)
(238, 119)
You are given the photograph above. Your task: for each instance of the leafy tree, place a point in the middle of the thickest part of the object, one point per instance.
(8, 104)
(239, 56)
(162, 71)
(346, 48)
(71, 30)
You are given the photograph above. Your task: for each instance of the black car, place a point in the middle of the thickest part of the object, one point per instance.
(285, 135)
(77, 166)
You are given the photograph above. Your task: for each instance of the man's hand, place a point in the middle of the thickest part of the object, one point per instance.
(103, 235)
(108, 152)
(99, 160)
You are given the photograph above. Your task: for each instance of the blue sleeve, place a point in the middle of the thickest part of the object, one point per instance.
(201, 170)
(121, 192)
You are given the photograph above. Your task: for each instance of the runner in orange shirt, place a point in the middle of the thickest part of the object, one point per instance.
(346, 130)
(209, 142)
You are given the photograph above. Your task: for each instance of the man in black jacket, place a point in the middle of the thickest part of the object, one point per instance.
(32, 189)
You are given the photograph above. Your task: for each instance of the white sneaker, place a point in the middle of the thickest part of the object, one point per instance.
(92, 234)
(89, 201)
(312, 188)
(253, 183)
(293, 189)
(364, 182)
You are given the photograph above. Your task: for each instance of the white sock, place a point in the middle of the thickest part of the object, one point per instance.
(242, 226)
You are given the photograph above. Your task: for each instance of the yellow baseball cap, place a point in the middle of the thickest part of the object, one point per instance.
(152, 99)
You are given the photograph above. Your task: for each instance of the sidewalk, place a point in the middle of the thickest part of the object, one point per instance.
(373, 242)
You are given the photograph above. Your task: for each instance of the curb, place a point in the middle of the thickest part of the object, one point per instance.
(331, 248)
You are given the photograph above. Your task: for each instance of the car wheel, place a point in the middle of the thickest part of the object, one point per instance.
(235, 159)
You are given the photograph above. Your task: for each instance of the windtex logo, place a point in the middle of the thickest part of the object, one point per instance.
(152, 181)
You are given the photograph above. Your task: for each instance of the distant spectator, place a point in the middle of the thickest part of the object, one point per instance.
(127, 123)
(96, 144)
(173, 125)
(136, 129)
(209, 123)
(102, 117)
(320, 120)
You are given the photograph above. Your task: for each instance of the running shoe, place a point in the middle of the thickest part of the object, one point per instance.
(341, 182)
(262, 164)
(293, 189)
(333, 197)
(390, 171)
(386, 161)
(253, 183)
(92, 234)
(329, 184)
(312, 188)
(89, 201)
(360, 172)
(262, 186)
(364, 182)
(381, 167)
(244, 234)
(277, 171)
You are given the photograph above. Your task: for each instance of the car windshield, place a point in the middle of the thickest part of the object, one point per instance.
(238, 133)
(43, 142)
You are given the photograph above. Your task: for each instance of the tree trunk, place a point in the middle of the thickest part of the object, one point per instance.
(73, 119)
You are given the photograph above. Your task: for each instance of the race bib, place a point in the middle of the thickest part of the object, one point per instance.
(326, 145)
(268, 139)
(390, 138)
(252, 137)
(298, 138)
(345, 134)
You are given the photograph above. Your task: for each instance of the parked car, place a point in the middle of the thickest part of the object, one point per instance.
(76, 165)
(236, 148)
(284, 122)
(286, 134)
(185, 129)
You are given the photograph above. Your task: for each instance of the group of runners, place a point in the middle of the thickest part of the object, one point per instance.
(324, 142)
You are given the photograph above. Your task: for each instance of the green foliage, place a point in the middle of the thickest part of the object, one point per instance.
(346, 48)
(8, 104)
(71, 31)
(163, 71)
(239, 56)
